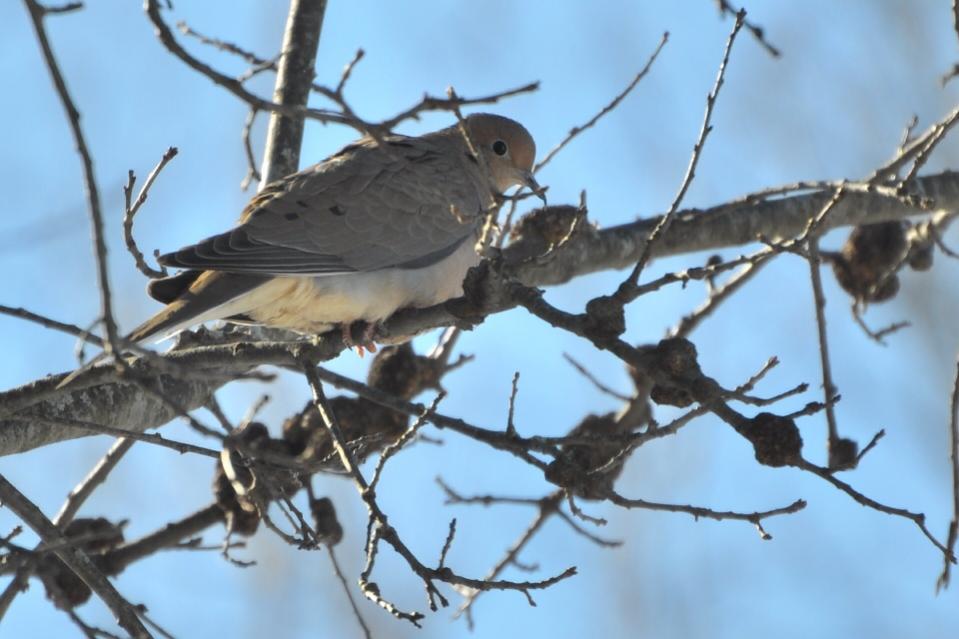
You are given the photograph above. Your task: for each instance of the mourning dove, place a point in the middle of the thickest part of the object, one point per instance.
(376, 227)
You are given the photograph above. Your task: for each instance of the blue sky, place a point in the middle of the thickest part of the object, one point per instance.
(851, 76)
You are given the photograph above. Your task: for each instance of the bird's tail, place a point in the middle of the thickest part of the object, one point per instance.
(212, 295)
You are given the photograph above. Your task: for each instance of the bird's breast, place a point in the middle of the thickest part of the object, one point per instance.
(313, 304)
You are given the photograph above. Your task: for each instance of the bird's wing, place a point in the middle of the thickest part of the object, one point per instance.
(407, 205)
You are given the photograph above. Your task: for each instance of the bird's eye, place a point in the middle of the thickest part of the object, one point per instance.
(500, 148)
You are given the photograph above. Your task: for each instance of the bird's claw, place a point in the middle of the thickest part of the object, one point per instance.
(365, 344)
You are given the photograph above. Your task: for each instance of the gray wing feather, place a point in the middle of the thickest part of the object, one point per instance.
(364, 209)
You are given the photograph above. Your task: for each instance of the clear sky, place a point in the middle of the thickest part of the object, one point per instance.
(851, 76)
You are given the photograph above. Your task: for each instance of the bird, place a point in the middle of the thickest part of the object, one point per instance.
(382, 224)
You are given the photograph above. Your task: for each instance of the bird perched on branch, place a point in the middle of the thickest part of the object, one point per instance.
(379, 226)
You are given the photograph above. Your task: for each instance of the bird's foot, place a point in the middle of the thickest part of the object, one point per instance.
(365, 344)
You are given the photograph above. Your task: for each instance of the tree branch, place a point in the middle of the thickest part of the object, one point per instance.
(293, 83)
(117, 404)
(75, 558)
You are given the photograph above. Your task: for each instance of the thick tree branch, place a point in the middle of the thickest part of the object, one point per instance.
(116, 404)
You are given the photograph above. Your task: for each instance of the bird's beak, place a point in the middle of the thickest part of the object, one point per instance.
(530, 181)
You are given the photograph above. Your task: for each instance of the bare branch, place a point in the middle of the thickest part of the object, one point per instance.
(46, 322)
(251, 171)
(955, 27)
(582, 370)
(404, 439)
(301, 37)
(930, 141)
(346, 590)
(690, 322)
(221, 45)
(168, 537)
(510, 426)
(548, 507)
(75, 558)
(378, 529)
(131, 211)
(829, 389)
(943, 581)
(758, 32)
(911, 150)
(576, 130)
(917, 518)
(67, 7)
(93, 194)
(623, 293)
(232, 85)
(451, 104)
(754, 518)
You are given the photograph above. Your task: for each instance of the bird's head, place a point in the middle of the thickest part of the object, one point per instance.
(508, 148)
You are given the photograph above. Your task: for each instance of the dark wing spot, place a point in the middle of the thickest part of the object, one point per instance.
(302, 204)
(405, 145)
(423, 158)
(336, 210)
(291, 216)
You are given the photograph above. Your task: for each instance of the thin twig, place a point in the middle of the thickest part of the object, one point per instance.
(697, 512)
(233, 85)
(931, 141)
(348, 592)
(917, 518)
(252, 173)
(955, 28)
(221, 45)
(453, 497)
(510, 426)
(872, 444)
(95, 478)
(624, 292)
(70, 329)
(690, 322)
(67, 7)
(401, 441)
(593, 537)
(131, 211)
(348, 71)
(150, 438)
(576, 130)
(907, 132)
(592, 378)
(908, 153)
(498, 439)
(93, 193)
(829, 389)
(878, 336)
(943, 581)
(548, 507)
(378, 529)
(757, 31)
(167, 538)
(451, 104)
(447, 544)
